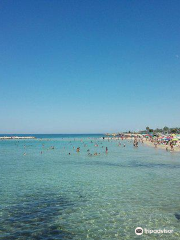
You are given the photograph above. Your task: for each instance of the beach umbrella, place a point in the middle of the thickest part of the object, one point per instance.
(175, 139)
(167, 139)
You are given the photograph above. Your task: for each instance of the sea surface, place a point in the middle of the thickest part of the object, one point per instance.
(47, 193)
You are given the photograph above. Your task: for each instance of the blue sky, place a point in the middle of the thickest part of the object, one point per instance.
(89, 66)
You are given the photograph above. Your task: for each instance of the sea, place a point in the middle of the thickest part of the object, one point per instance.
(48, 190)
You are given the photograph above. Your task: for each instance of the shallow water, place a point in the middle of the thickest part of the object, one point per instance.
(55, 195)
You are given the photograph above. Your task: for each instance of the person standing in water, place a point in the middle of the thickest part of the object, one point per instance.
(172, 147)
(106, 150)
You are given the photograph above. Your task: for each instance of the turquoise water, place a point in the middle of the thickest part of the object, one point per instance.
(55, 195)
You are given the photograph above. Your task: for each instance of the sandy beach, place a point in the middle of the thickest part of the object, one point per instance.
(147, 141)
(161, 146)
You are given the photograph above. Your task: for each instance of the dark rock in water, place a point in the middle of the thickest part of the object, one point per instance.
(35, 217)
(177, 215)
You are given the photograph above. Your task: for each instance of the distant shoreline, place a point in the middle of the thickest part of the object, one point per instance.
(15, 137)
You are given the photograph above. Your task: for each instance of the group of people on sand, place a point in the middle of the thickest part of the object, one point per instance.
(167, 144)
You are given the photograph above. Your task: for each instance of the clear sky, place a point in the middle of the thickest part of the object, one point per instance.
(89, 66)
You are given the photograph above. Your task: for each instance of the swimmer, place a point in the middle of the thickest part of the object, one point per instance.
(171, 145)
(106, 149)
